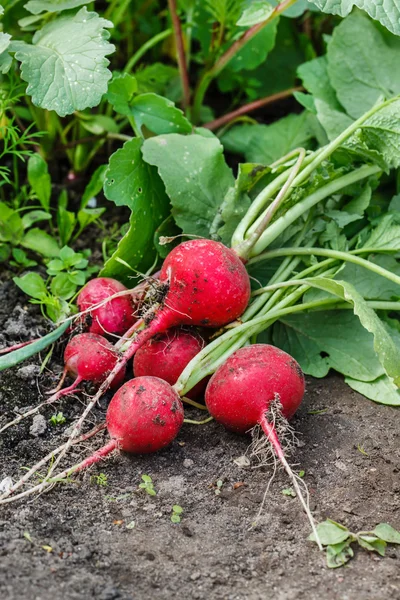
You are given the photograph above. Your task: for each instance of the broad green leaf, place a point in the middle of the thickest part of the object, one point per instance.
(159, 115)
(386, 236)
(371, 285)
(94, 186)
(62, 287)
(362, 66)
(256, 50)
(156, 78)
(381, 132)
(386, 12)
(4, 41)
(387, 533)
(132, 182)
(33, 216)
(384, 346)
(266, 143)
(195, 175)
(121, 91)
(98, 124)
(330, 532)
(323, 340)
(167, 229)
(41, 242)
(39, 179)
(256, 12)
(17, 356)
(338, 555)
(32, 285)
(11, 225)
(315, 78)
(296, 10)
(37, 6)
(66, 68)
(372, 543)
(381, 390)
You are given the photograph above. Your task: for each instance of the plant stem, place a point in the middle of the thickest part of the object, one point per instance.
(250, 107)
(147, 46)
(221, 63)
(180, 51)
(335, 254)
(245, 248)
(281, 224)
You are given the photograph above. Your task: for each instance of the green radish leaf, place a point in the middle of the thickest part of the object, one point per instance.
(338, 555)
(360, 78)
(387, 12)
(121, 91)
(39, 179)
(195, 175)
(167, 229)
(66, 68)
(387, 533)
(386, 236)
(330, 532)
(98, 124)
(381, 133)
(41, 242)
(4, 41)
(371, 543)
(384, 346)
(159, 115)
(266, 143)
(326, 340)
(381, 390)
(315, 78)
(32, 285)
(37, 6)
(132, 182)
(17, 356)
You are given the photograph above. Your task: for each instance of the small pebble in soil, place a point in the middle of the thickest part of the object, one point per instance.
(187, 463)
(38, 426)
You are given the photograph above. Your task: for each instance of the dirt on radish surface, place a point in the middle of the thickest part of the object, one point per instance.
(83, 540)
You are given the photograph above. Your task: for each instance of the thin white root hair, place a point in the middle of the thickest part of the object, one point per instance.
(274, 426)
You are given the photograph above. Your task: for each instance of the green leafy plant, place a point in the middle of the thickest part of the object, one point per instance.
(101, 479)
(147, 485)
(57, 419)
(176, 513)
(337, 540)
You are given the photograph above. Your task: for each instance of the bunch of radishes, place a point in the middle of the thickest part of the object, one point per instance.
(203, 284)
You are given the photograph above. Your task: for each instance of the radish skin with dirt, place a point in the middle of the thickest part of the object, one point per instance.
(263, 386)
(113, 317)
(167, 354)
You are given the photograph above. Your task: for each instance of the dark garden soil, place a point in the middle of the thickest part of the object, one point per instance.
(81, 548)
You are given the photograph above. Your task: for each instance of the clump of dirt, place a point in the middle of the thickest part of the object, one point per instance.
(106, 538)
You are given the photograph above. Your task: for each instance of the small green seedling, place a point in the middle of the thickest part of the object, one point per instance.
(337, 540)
(176, 513)
(219, 485)
(289, 492)
(57, 419)
(101, 479)
(147, 485)
(302, 473)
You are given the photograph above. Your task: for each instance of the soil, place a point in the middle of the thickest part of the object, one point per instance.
(83, 540)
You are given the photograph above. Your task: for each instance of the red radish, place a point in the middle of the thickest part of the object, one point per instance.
(116, 316)
(166, 355)
(91, 357)
(259, 385)
(87, 357)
